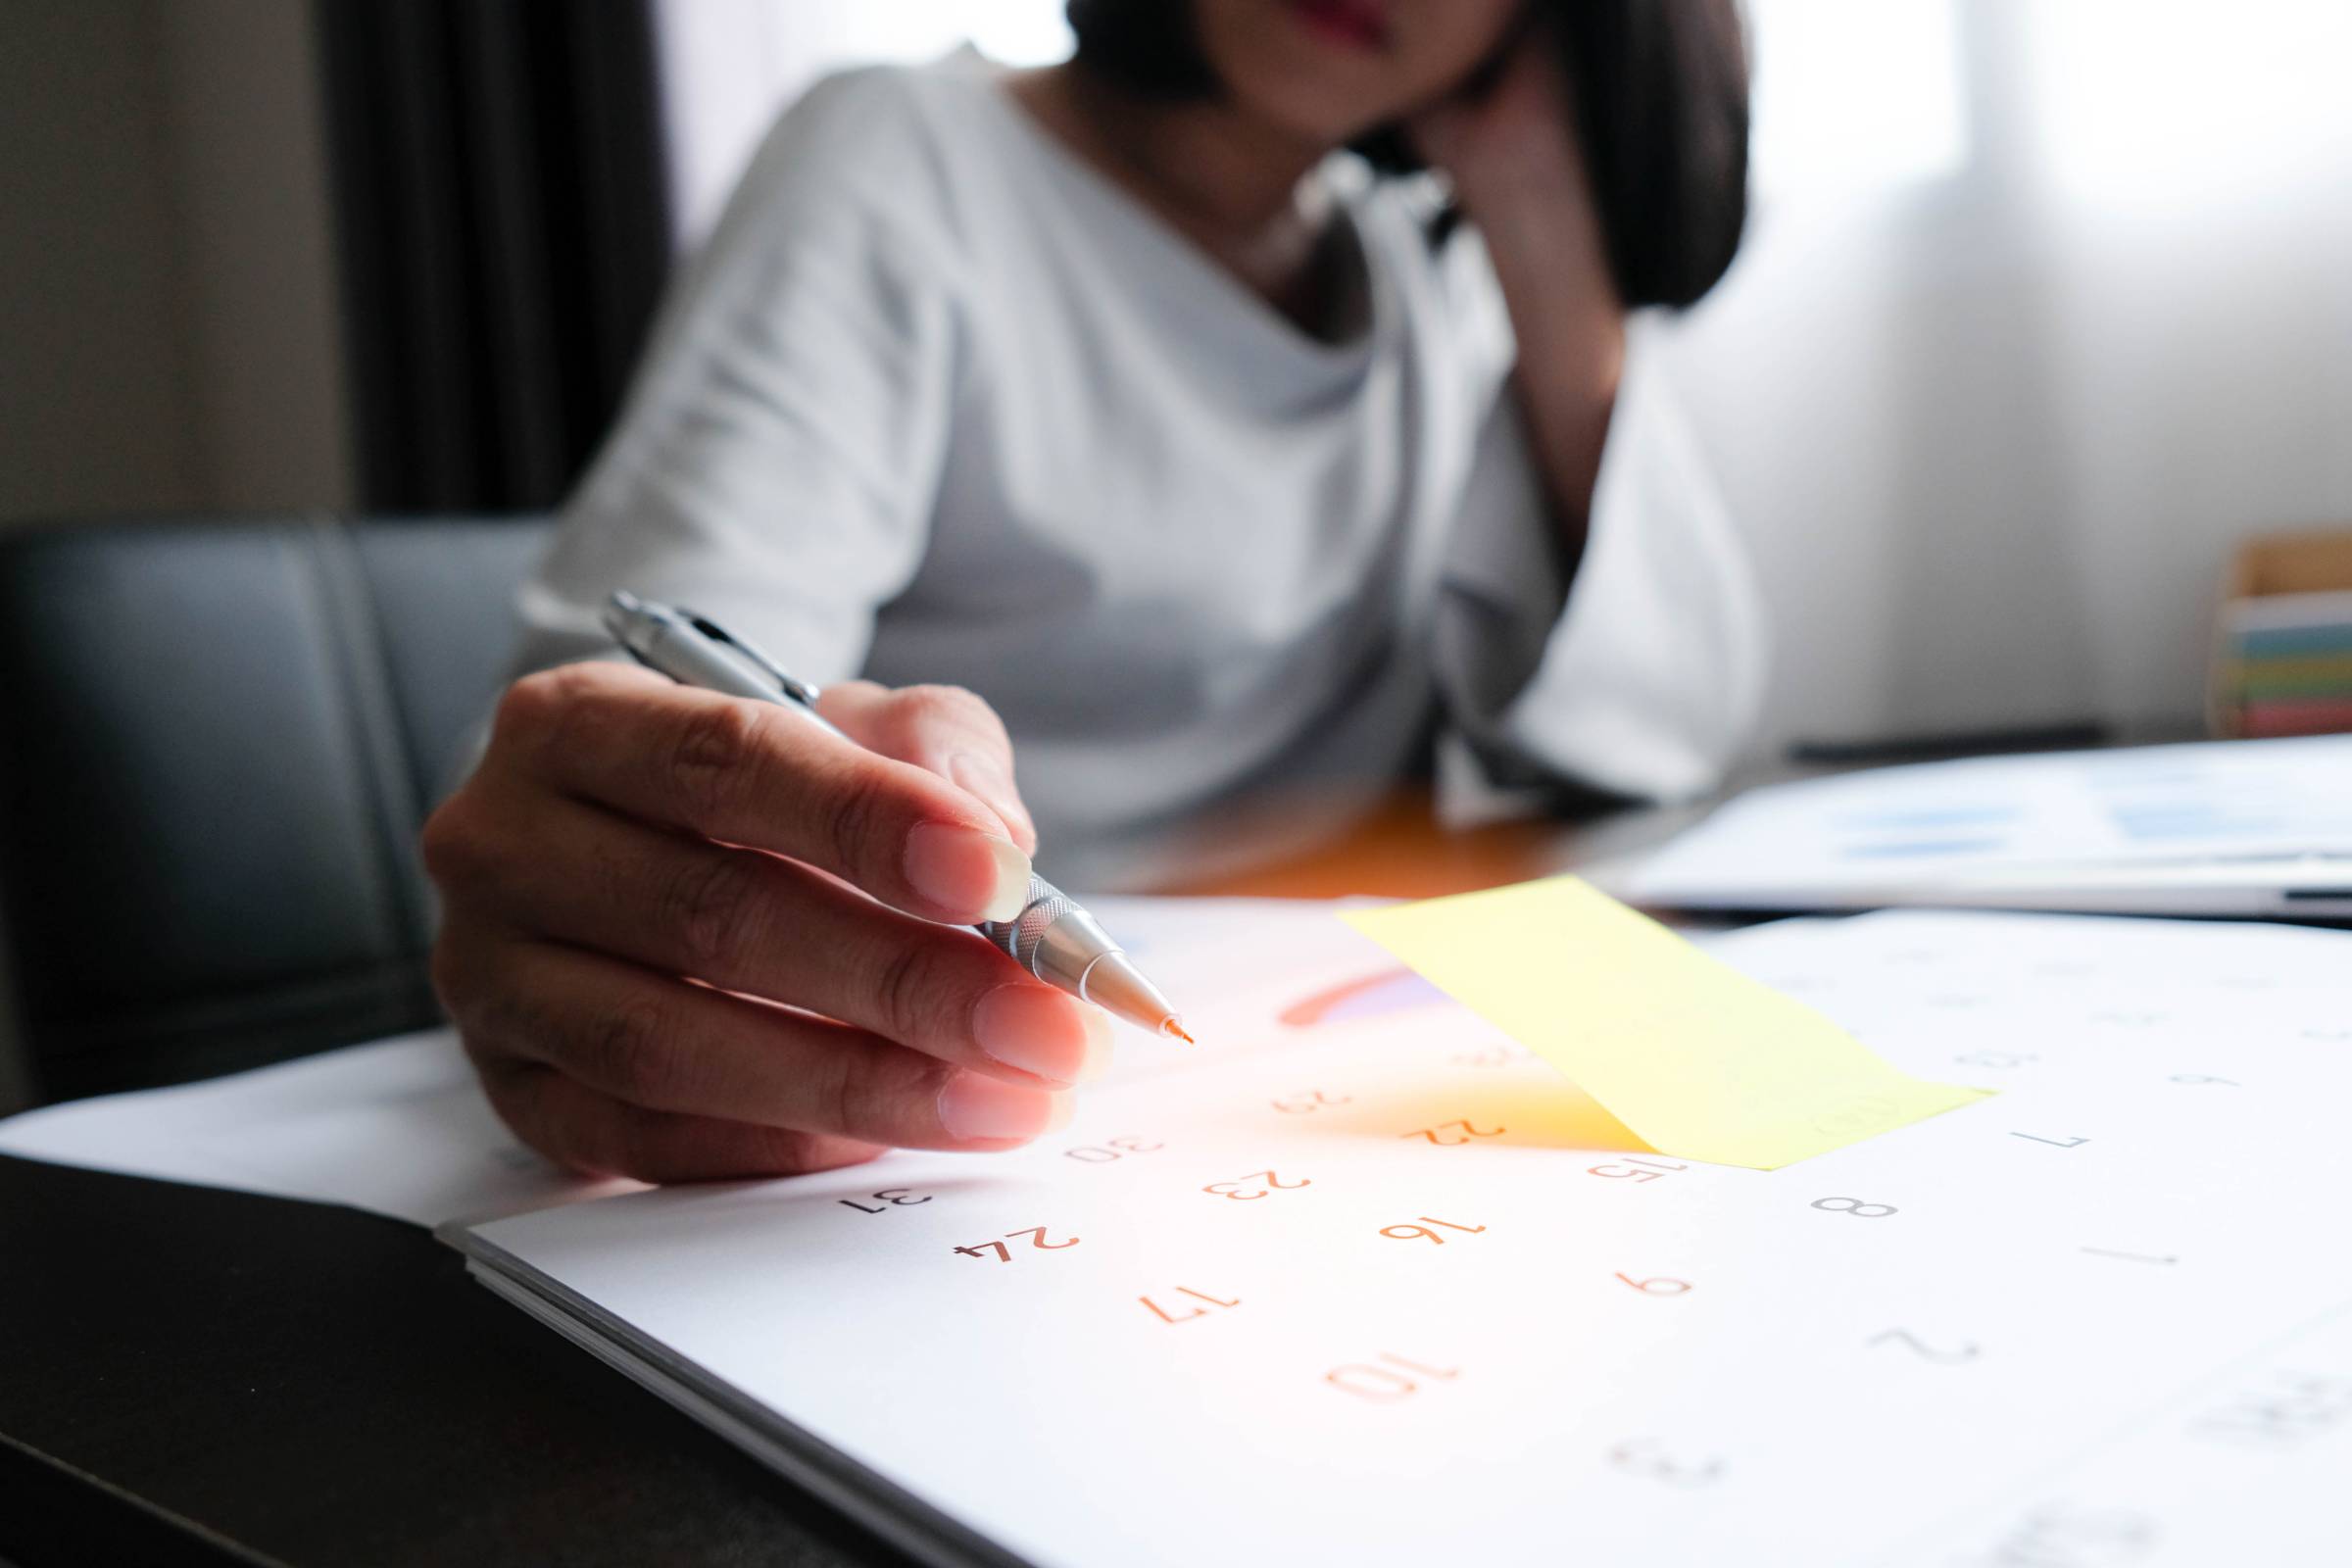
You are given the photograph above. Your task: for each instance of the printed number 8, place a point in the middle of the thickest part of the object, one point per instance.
(1854, 1206)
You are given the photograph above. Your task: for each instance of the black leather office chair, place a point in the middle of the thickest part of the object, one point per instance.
(218, 741)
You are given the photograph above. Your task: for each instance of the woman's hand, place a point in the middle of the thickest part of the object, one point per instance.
(1507, 143)
(1509, 148)
(688, 936)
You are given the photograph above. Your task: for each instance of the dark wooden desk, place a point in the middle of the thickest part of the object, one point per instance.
(190, 1376)
(193, 1376)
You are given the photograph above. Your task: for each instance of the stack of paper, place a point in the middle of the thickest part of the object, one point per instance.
(2216, 829)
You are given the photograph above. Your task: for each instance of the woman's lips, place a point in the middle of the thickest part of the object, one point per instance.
(1356, 24)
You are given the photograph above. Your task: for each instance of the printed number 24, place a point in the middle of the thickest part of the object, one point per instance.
(1036, 1234)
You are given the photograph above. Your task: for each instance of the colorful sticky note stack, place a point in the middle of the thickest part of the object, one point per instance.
(2286, 664)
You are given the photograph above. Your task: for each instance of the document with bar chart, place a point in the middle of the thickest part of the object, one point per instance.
(2221, 828)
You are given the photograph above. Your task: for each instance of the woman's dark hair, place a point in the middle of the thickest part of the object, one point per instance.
(1661, 102)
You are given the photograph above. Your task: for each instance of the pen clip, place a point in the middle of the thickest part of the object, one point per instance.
(799, 690)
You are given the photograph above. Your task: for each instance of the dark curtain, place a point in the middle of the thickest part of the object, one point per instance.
(504, 223)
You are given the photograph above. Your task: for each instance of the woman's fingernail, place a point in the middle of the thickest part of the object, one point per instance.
(986, 778)
(967, 870)
(971, 1106)
(1037, 1029)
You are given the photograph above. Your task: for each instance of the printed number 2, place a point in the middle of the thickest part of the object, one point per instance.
(1648, 1459)
(1927, 1352)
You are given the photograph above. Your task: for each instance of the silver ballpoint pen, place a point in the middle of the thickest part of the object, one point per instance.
(1052, 937)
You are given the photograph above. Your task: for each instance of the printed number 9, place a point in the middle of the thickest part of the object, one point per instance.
(1854, 1206)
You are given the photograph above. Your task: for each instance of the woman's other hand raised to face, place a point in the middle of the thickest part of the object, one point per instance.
(1329, 71)
(688, 936)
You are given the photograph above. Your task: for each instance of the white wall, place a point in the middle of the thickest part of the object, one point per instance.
(167, 332)
(247, 142)
(728, 65)
(94, 373)
(1993, 423)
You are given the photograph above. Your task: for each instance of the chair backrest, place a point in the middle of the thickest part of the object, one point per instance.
(218, 741)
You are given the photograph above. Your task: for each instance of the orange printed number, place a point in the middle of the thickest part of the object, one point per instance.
(1037, 1240)
(1416, 1233)
(1233, 1188)
(1469, 1132)
(1380, 1382)
(1165, 1316)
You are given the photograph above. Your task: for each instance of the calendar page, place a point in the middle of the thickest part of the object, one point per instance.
(1363, 1282)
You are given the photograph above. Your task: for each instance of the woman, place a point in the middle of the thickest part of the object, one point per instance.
(1211, 463)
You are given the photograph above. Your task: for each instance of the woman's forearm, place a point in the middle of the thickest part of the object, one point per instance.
(1519, 173)
(1547, 254)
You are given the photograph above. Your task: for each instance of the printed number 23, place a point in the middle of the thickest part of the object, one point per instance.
(1231, 1189)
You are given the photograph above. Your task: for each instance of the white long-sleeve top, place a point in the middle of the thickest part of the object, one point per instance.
(941, 402)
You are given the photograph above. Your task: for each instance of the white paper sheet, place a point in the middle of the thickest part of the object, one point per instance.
(1370, 1286)
(2162, 828)
(397, 1127)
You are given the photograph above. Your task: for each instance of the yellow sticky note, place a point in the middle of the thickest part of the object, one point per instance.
(1696, 1058)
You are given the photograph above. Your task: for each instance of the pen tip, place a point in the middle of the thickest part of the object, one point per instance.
(1170, 1026)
